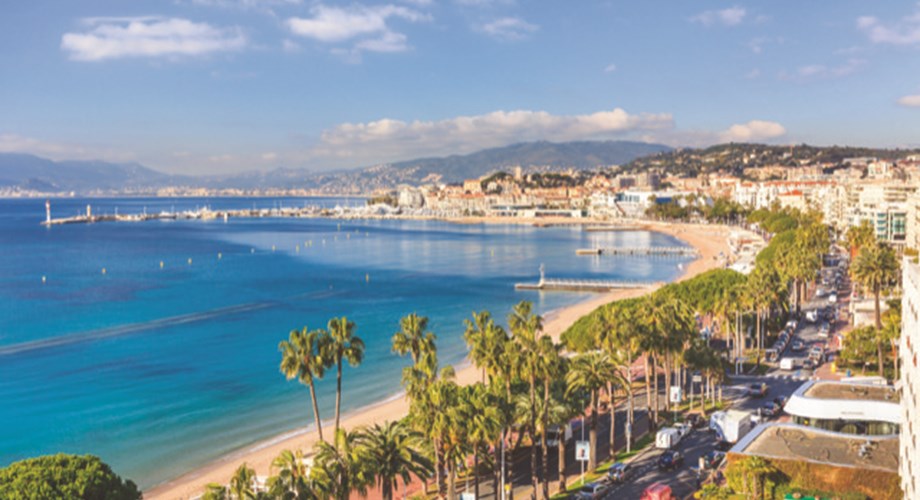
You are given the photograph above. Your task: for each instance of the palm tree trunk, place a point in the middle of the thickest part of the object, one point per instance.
(592, 433)
(648, 387)
(534, 476)
(451, 482)
(509, 478)
(629, 392)
(878, 330)
(667, 381)
(476, 471)
(613, 424)
(319, 424)
(655, 398)
(543, 448)
(387, 490)
(561, 451)
(437, 469)
(338, 394)
(497, 466)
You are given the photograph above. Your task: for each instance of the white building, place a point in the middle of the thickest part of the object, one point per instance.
(846, 408)
(910, 381)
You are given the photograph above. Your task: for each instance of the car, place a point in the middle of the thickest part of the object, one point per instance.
(832, 298)
(819, 292)
(696, 421)
(591, 491)
(798, 345)
(620, 472)
(792, 324)
(770, 410)
(780, 401)
(757, 390)
(712, 460)
(809, 364)
(670, 459)
(816, 354)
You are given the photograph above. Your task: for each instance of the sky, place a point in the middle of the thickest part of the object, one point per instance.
(223, 86)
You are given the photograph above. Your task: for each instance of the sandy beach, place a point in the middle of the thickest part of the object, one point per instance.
(710, 240)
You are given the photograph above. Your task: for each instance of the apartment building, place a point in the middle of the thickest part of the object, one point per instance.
(910, 381)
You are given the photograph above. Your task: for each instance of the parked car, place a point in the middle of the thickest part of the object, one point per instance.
(798, 345)
(832, 298)
(780, 401)
(771, 410)
(712, 460)
(757, 390)
(593, 490)
(658, 491)
(809, 364)
(670, 459)
(696, 421)
(620, 472)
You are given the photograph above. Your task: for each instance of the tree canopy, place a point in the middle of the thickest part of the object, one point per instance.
(64, 476)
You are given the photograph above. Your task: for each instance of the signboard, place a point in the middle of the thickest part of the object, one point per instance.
(697, 378)
(675, 394)
(582, 450)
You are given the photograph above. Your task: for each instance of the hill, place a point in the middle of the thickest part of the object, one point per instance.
(29, 172)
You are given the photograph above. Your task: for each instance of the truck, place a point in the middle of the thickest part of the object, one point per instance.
(670, 436)
(731, 425)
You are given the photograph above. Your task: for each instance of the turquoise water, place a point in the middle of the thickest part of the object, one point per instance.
(161, 370)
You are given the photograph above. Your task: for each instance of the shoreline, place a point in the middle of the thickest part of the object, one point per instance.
(710, 240)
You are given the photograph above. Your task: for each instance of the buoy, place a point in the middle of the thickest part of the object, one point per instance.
(219, 255)
(189, 261)
(44, 279)
(103, 270)
(273, 248)
(161, 264)
(367, 278)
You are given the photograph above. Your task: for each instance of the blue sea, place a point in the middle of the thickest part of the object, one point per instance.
(161, 369)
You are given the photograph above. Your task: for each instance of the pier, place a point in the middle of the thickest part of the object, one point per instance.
(574, 285)
(653, 251)
(199, 214)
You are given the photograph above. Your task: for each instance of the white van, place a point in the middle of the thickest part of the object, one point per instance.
(787, 364)
(668, 437)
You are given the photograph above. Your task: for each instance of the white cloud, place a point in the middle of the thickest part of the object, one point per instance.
(910, 101)
(753, 74)
(149, 36)
(752, 131)
(388, 139)
(508, 28)
(610, 68)
(727, 17)
(243, 4)
(365, 27)
(821, 71)
(903, 32)
(757, 44)
(290, 45)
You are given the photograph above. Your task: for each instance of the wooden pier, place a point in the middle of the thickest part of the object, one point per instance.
(574, 285)
(653, 251)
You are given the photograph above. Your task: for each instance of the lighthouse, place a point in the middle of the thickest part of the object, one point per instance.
(48, 212)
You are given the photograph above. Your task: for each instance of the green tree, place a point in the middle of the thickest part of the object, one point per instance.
(860, 236)
(589, 373)
(876, 268)
(860, 347)
(292, 481)
(302, 358)
(392, 452)
(413, 337)
(64, 476)
(891, 331)
(479, 411)
(343, 345)
(215, 491)
(526, 328)
(341, 466)
(241, 484)
(485, 341)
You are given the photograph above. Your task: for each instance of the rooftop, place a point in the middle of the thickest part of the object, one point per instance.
(794, 442)
(862, 392)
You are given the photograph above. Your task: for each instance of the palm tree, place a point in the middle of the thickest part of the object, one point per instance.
(341, 466)
(412, 337)
(302, 357)
(215, 491)
(614, 383)
(526, 328)
(876, 268)
(485, 341)
(392, 453)
(549, 366)
(860, 236)
(564, 406)
(292, 481)
(241, 483)
(621, 336)
(480, 413)
(343, 345)
(589, 373)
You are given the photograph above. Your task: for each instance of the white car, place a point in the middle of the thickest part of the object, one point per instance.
(832, 298)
